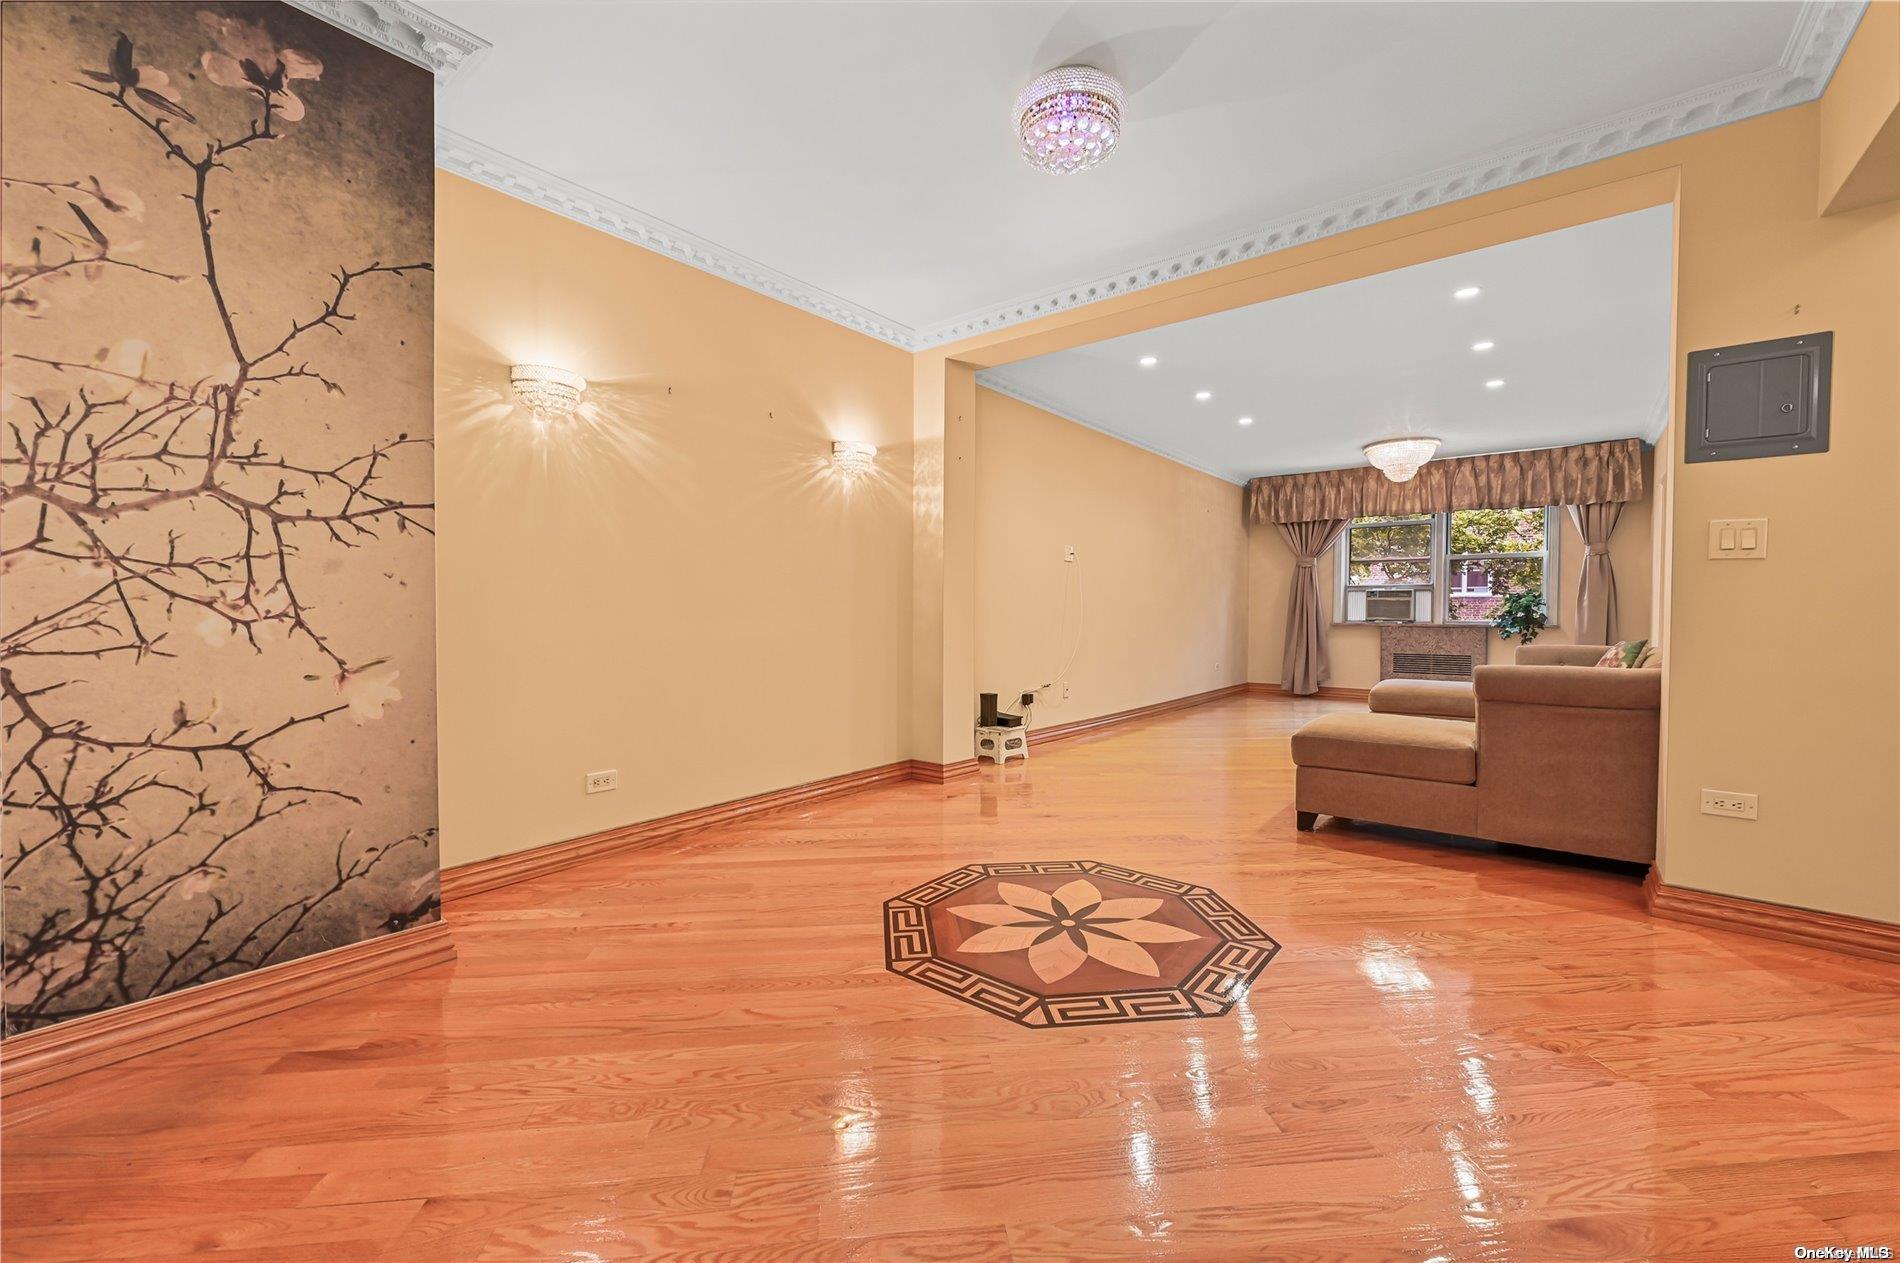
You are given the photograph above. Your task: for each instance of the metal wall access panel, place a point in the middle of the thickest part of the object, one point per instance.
(1759, 399)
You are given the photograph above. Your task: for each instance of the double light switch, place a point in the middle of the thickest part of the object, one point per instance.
(1737, 538)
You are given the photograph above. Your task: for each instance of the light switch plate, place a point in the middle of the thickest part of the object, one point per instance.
(1738, 538)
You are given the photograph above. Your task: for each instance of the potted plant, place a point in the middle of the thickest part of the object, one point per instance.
(1521, 613)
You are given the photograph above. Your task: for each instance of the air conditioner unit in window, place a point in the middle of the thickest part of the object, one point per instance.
(1389, 607)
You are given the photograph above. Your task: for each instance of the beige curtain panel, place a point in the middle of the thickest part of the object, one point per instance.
(1586, 473)
(1596, 591)
(1304, 665)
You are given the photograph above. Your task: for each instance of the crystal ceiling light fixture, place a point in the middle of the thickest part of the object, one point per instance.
(550, 393)
(1400, 459)
(1069, 119)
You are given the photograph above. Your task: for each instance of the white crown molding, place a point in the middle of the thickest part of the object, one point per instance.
(408, 30)
(1814, 48)
(992, 379)
(1819, 37)
(465, 157)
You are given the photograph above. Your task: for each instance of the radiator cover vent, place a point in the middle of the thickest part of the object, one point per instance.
(1424, 651)
(1443, 666)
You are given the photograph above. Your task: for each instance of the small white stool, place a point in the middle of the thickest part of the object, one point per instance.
(1000, 745)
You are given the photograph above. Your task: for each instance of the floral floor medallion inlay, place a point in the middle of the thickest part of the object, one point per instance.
(1074, 942)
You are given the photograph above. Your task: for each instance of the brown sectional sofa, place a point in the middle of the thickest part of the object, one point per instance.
(1559, 754)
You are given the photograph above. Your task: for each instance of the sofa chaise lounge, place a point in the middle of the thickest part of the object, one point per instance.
(1552, 752)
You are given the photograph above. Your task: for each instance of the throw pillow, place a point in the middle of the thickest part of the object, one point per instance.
(1626, 653)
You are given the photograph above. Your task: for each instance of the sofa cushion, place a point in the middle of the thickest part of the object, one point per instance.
(1443, 699)
(1567, 686)
(1410, 746)
(1630, 654)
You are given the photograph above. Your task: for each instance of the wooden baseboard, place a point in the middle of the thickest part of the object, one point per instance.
(941, 773)
(1340, 694)
(36, 1058)
(1852, 936)
(504, 870)
(1075, 728)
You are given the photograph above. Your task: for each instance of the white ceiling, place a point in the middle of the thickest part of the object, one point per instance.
(857, 159)
(1580, 319)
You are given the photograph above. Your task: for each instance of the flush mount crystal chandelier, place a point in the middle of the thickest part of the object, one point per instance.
(1401, 459)
(548, 392)
(1069, 119)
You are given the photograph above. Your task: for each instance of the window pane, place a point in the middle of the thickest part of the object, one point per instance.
(1476, 588)
(1412, 539)
(1389, 572)
(1497, 531)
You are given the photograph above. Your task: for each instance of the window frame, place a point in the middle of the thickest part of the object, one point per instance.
(1435, 552)
(1442, 562)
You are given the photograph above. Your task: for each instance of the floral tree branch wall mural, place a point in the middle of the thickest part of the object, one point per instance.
(215, 520)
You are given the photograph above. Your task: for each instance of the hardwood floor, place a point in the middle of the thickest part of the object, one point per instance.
(694, 1052)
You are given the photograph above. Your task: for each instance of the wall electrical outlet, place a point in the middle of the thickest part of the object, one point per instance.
(1068, 552)
(601, 782)
(1723, 802)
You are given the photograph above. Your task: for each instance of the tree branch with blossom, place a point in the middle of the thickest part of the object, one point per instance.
(158, 505)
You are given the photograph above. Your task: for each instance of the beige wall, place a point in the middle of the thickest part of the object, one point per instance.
(1860, 116)
(1160, 576)
(1355, 650)
(1784, 674)
(676, 565)
(677, 586)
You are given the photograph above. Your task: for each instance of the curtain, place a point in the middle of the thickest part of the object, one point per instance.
(1596, 592)
(1305, 667)
(1585, 473)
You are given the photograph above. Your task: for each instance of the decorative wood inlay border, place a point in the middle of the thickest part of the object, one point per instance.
(1205, 985)
(1852, 936)
(36, 1058)
(504, 870)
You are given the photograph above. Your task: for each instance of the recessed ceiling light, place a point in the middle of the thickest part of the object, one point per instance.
(1496, 383)
(1468, 292)
(1203, 395)
(1485, 345)
(1246, 421)
(1147, 361)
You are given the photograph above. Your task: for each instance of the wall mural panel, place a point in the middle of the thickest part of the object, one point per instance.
(218, 611)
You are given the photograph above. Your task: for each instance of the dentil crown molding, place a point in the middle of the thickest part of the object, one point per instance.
(465, 157)
(406, 29)
(1814, 49)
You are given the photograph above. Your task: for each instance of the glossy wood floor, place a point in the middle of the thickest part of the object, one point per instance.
(694, 1053)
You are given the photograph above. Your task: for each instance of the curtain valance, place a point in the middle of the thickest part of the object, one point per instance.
(1585, 473)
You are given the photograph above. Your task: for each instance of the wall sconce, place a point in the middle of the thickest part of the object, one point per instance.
(550, 393)
(852, 459)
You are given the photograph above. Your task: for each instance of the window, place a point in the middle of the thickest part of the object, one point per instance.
(1444, 567)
